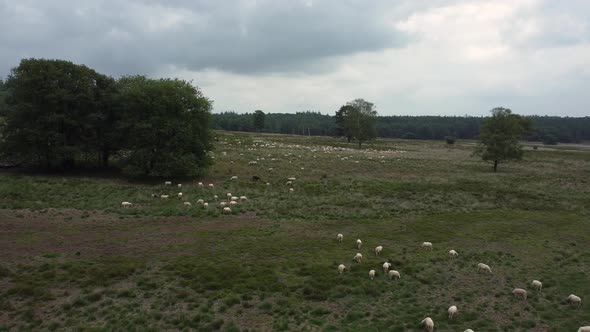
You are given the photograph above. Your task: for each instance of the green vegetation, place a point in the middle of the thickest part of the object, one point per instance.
(565, 129)
(356, 120)
(500, 135)
(73, 259)
(60, 115)
(258, 120)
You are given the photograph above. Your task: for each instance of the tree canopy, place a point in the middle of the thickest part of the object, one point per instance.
(358, 119)
(500, 135)
(62, 115)
(258, 120)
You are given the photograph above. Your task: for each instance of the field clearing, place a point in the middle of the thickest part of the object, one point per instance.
(72, 258)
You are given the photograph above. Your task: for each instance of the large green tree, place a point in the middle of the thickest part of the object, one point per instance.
(500, 135)
(360, 119)
(340, 119)
(166, 123)
(52, 108)
(258, 119)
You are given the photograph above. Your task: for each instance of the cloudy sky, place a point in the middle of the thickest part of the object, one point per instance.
(420, 57)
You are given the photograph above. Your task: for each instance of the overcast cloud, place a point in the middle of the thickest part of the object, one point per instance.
(408, 57)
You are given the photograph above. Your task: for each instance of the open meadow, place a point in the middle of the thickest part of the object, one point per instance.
(72, 258)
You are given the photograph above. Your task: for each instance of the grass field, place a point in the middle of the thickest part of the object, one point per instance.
(72, 258)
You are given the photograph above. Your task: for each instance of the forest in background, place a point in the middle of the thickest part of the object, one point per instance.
(548, 129)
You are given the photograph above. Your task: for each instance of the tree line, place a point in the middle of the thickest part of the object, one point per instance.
(56, 114)
(547, 129)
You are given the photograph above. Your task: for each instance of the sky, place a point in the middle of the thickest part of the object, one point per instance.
(408, 57)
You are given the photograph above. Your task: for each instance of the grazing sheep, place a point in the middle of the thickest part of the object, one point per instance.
(179, 185)
(229, 195)
(289, 183)
(519, 292)
(452, 311)
(468, 330)
(232, 203)
(126, 204)
(386, 267)
(252, 163)
(187, 204)
(341, 268)
(179, 195)
(378, 250)
(222, 204)
(200, 184)
(372, 274)
(339, 237)
(268, 183)
(573, 299)
(359, 243)
(291, 179)
(584, 329)
(215, 197)
(453, 253)
(211, 185)
(235, 177)
(164, 196)
(483, 267)
(291, 190)
(428, 324)
(394, 273)
(200, 201)
(234, 198)
(358, 257)
(168, 183)
(427, 245)
(537, 285)
(243, 198)
(205, 205)
(226, 210)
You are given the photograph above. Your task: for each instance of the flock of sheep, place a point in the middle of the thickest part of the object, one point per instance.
(427, 322)
(231, 199)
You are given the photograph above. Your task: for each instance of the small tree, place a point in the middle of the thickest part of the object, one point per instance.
(359, 120)
(340, 119)
(499, 136)
(258, 119)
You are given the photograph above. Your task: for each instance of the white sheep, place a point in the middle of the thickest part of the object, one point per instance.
(359, 243)
(453, 253)
(576, 300)
(168, 183)
(268, 183)
(179, 185)
(222, 204)
(126, 204)
(187, 204)
(372, 274)
(211, 185)
(537, 285)
(215, 197)
(428, 324)
(289, 183)
(179, 195)
(200, 201)
(452, 311)
(164, 196)
(243, 198)
(232, 203)
(358, 257)
(291, 179)
(235, 177)
(394, 273)
(234, 198)
(200, 184)
(205, 205)
(228, 195)
(468, 330)
(519, 292)
(427, 245)
(584, 329)
(341, 268)
(483, 267)
(291, 190)
(386, 267)
(339, 237)
(226, 210)
(252, 163)
(378, 250)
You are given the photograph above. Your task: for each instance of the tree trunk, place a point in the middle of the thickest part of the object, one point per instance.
(360, 142)
(495, 165)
